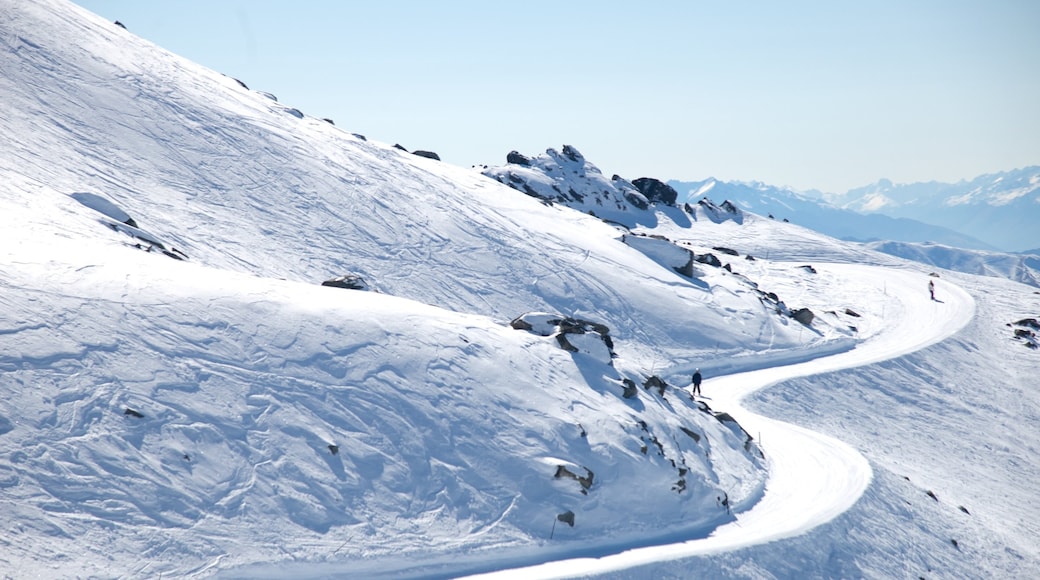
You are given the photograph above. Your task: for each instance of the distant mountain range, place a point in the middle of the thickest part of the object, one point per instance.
(990, 212)
(817, 214)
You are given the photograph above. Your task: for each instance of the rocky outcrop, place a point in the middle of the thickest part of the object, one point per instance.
(516, 158)
(656, 191)
(1026, 330)
(350, 281)
(709, 259)
(567, 178)
(585, 480)
(571, 334)
(427, 154)
(803, 315)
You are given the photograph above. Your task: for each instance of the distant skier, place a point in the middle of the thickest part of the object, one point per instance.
(931, 289)
(697, 381)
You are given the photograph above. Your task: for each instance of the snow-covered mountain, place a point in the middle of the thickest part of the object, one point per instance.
(810, 210)
(237, 340)
(1024, 268)
(1001, 209)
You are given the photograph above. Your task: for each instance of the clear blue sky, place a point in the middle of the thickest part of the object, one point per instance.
(810, 94)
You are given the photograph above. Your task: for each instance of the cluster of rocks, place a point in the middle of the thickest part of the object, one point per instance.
(349, 281)
(571, 334)
(1026, 331)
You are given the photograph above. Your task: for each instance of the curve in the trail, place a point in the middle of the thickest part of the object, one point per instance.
(812, 477)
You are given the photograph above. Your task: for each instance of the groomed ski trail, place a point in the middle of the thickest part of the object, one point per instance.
(813, 478)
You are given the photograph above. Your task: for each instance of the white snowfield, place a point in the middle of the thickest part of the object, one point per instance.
(812, 477)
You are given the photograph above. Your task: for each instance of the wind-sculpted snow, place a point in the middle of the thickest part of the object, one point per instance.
(203, 418)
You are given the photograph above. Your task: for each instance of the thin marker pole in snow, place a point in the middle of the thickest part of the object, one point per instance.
(553, 529)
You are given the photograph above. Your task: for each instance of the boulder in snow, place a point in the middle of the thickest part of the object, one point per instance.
(803, 315)
(656, 191)
(349, 281)
(427, 154)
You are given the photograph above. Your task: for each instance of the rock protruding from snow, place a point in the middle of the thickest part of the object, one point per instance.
(656, 190)
(664, 252)
(571, 334)
(1026, 331)
(350, 281)
(427, 154)
(567, 178)
(720, 213)
(125, 224)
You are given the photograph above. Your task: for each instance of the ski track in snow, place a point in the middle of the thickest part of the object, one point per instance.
(813, 478)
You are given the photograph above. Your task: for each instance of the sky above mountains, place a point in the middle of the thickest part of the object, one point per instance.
(803, 94)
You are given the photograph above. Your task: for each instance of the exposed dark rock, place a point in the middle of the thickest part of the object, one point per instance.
(630, 388)
(656, 382)
(348, 281)
(295, 112)
(133, 413)
(749, 258)
(333, 448)
(709, 259)
(729, 207)
(725, 418)
(636, 201)
(803, 315)
(692, 434)
(656, 191)
(808, 268)
(561, 340)
(566, 517)
(964, 509)
(1029, 322)
(728, 268)
(329, 121)
(516, 158)
(852, 313)
(119, 24)
(399, 146)
(932, 495)
(360, 136)
(585, 481)
(130, 222)
(560, 327)
(174, 253)
(520, 324)
(427, 154)
(729, 251)
(573, 154)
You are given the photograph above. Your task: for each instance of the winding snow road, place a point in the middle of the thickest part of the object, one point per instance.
(812, 477)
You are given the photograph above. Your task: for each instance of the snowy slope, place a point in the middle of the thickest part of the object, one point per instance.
(178, 385)
(1024, 268)
(181, 397)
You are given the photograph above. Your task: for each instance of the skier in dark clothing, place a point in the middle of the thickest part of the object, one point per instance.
(931, 288)
(697, 381)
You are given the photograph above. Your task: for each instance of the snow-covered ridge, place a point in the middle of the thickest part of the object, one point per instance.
(1024, 268)
(1000, 209)
(237, 411)
(227, 414)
